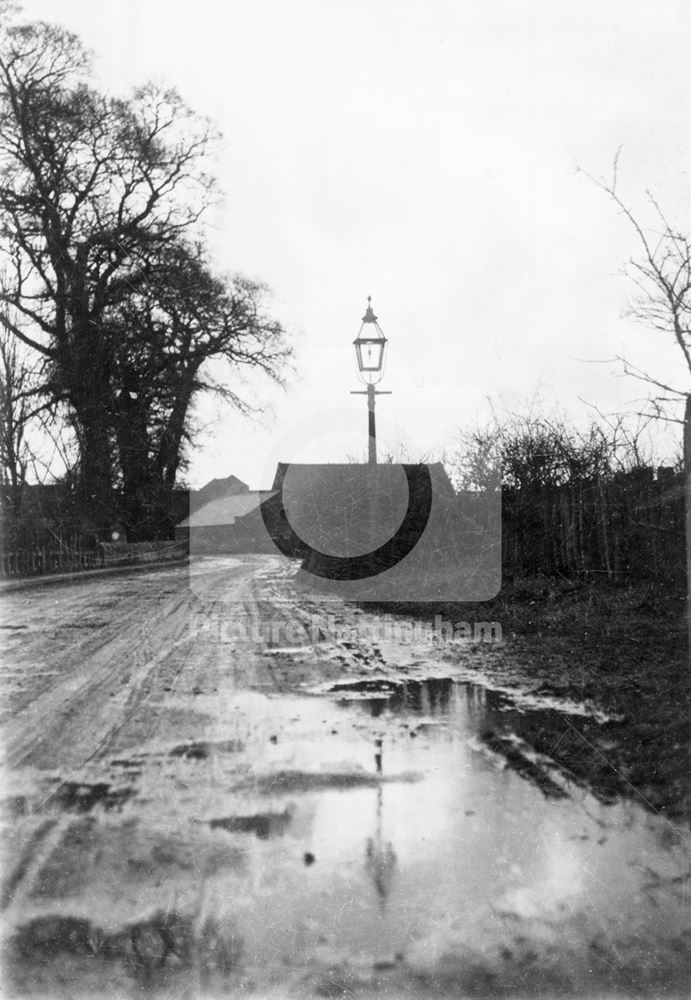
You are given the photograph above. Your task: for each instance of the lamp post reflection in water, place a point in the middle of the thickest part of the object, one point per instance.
(380, 857)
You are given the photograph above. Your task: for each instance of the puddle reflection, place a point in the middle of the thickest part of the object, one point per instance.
(542, 745)
(493, 843)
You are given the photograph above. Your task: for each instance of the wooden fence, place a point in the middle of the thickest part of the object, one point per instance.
(630, 526)
(25, 554)
(29, 554)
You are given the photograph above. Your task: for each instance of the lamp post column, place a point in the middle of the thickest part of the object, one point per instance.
(372, 431)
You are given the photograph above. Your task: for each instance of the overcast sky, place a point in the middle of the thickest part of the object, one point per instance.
(423, 152)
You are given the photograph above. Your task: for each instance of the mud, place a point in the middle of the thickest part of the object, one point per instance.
(196, 814)
(263, 825)
(201, 751)
(518, 759)
(82, 797)
(85, 625)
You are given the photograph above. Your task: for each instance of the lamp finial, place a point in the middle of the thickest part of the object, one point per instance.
(369, 316)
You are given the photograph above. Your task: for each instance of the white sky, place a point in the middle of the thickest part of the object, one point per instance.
(423, 152)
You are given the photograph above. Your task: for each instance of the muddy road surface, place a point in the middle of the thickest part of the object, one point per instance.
(214, 785)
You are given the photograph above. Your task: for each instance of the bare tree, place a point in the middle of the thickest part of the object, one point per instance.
(661, 276)
(90, 188)
(17, 409)
(97, 197)
(532, 452)
(661, 273)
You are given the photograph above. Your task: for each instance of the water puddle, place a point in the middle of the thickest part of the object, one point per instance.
(410, 829)
(434, 829)
(541, 742)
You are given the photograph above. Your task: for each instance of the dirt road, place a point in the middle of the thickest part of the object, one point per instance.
(215, 783)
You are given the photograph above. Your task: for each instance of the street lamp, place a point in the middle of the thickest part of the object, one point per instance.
(370, 347)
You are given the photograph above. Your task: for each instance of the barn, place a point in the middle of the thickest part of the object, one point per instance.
(225, 517)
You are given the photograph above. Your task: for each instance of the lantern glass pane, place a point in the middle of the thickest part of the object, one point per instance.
(370, 355)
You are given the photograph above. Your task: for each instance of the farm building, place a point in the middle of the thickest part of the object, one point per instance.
(225, 516)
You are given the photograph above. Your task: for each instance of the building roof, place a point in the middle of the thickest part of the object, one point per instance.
(215, 489)
(222, 487)
(231, 484)
(226, 509)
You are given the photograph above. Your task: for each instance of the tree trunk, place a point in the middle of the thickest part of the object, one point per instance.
(687, 484)
(83, 371)
(169, 454)
(135, 466)
(95, 483)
